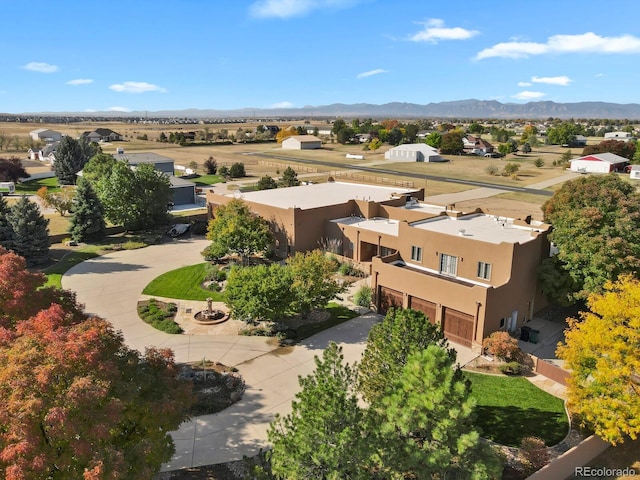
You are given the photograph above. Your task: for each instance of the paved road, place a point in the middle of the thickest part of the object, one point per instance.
(387, 171)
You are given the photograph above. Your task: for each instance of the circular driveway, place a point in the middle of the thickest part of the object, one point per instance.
(109, 286)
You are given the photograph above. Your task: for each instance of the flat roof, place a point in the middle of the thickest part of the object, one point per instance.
(479, 226)
(377, 224)
(321, 195)
(144, 157)
(425, 208)
(180, 182)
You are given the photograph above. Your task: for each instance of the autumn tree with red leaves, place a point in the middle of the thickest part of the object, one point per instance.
(76, 402)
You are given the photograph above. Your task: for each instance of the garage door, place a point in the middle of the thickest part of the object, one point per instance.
(389, 298)
(424, 306)
(458, 326)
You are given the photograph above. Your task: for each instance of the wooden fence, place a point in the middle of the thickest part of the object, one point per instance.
(549, 370)
(358, 177)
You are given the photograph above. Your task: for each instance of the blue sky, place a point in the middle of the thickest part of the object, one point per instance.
(146, 55)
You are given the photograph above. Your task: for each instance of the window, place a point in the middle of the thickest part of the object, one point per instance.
(502, 322)
(484, 270)
(448, 264)
(416, 254)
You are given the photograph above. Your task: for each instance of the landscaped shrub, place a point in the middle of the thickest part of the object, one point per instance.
(538, 162)
(215, 274)
(502, 345)
(348, 270)
(363, 296)
(511, 368)
(160, 316)
(533, 454)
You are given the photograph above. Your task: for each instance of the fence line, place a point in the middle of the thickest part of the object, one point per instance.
(372, 179)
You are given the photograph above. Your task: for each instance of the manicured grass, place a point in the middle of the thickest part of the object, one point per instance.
(183, 283)
(512, 408)
(339, 314)
(32, 186)
(205, 180)
(55, 272)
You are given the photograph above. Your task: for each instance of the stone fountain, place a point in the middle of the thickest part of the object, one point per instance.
(210, 316)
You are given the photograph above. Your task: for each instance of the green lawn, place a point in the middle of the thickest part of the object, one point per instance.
(32, 186)
(512, 408)
(183, 283)
(205, 180)
(339, 314)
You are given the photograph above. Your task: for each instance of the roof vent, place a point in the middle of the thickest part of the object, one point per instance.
(462, 232)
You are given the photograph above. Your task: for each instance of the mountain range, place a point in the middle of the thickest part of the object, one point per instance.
(454, 109)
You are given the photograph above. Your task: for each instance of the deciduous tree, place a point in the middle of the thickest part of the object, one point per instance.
(11, 170)
(136, 199)
(375, 144)
(617, 147)
(60, 201)
(601, 351)
(596, 227)
(323, 437)
(434, 139)
(235, 230)
(401, 333)
(98, 168)
(313, 284)
(286, 133)
(452, 143)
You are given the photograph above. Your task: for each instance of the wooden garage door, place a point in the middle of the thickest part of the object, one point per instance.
(458, 326)
(389, 298)
(424, 306)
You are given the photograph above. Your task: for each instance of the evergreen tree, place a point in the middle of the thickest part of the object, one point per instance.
(289, 178)
(6, 233)
(323, 436)
(70, 158)
(87, 222)
(424, 423)
(30, 232)
(401, 333)
(266, 183)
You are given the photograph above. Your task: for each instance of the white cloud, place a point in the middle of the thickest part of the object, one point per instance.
(370, 73)
(80, 81)
(295, 8)
(41, 67)
(527, 95)
(598, 75)
(561, 80)
(136, 87)
(118, 109)
(583, 43)
(524, 84)
(282, 105)
(434, 30)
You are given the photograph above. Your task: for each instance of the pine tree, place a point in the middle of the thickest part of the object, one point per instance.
(30, 231)
(424, 423)
(322, 438)
(87, 223)
(289, 178)
(70, 158)
(6, 233)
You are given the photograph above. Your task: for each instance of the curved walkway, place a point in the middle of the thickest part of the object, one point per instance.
(110, 286)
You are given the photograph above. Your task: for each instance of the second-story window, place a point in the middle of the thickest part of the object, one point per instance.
(484, 270)
(416, 254)
(448, 264)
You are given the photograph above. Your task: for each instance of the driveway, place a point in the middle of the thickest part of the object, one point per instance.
(110, 286)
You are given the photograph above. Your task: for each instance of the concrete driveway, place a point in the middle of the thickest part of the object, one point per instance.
(110, 286)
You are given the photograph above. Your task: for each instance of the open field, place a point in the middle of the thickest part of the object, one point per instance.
(461, 167)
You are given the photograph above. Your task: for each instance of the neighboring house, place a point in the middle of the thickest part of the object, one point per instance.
(44, 154)
(620, 136)
(472, 273)
(634, 172)
(363, 137)
(321, 130)
(599, 163)
(102, 135)
(422, 134)
(413, 152)
(578, 141)
(476, 145)
(45, 135)
(302, 142)
(184, 191)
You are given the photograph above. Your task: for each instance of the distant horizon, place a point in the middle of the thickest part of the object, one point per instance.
(271, 54)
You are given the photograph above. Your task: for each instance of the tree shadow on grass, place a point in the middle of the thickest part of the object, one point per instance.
(508, 425)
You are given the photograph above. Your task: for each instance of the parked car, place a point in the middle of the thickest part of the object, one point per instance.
(492, 155)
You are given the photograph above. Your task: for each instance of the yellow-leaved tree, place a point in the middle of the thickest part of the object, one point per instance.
(602, 350)
(286, 133)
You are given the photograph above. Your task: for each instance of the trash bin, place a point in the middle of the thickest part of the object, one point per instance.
(533, 335)
(525, 334)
